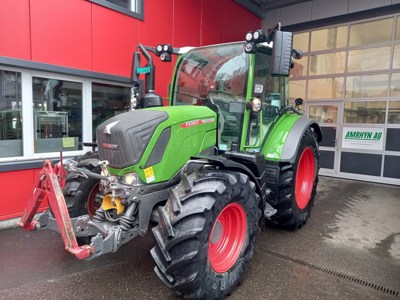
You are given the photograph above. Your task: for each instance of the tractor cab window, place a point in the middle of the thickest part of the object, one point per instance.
(215, 76)
(273, 96)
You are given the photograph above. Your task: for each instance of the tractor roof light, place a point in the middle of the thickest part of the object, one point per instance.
(257, 36)
(249, 36)
(250, 47)
(165, 56)
(159, 49)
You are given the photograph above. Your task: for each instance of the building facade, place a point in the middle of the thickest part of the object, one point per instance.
(65, 67)
(349, 78)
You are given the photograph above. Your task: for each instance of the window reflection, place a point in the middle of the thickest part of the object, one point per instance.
(300, 41)
(299, 67)
(107, 101)
(371, 32)
(329, 38)
(10, 114)
(396, 57)
(57, 115)
(367, 86)
(327, 63)
(369, 59)
(395, 85)
(369, 112)
(326, 88)
(297, 89)
(324, 113)
(394, 112)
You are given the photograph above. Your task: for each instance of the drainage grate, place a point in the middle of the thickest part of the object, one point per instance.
(334, 273)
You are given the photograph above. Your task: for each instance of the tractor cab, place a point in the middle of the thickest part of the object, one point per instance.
(227, 79)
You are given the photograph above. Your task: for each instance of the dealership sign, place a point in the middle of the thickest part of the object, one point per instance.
(363, 138)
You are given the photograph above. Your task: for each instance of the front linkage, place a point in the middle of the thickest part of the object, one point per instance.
(106, 236)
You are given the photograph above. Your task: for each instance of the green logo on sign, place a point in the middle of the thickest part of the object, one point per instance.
(363, 135)
(143, 70)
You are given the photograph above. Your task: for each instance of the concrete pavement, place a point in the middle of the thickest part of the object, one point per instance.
(349, 249)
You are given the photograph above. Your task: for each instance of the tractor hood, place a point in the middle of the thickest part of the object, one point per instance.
(162, 137)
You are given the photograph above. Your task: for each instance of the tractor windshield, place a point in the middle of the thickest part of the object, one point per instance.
(217, 74)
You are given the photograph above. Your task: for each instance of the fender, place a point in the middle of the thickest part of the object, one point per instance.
(237, 161)
(294, 137)
(285, 136)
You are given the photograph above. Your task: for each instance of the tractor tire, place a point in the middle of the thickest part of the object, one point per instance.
(206, 235)
(80, 192)
(297, 185)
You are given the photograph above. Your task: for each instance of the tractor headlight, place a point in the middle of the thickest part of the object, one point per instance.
(159, 48)
(256, 105)
(249, 37)
(131, 179)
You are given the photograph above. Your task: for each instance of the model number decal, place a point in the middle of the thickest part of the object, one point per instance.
(110, 146)
(197, 122)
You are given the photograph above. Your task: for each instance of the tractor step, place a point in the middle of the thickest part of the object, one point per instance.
(269, 211)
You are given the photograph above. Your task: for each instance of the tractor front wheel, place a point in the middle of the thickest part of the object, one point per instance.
(297, 185)
(206, 235)
(80, 193)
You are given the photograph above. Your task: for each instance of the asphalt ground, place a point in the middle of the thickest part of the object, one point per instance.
(349, 249)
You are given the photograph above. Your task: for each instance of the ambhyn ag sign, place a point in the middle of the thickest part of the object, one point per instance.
(363, 138)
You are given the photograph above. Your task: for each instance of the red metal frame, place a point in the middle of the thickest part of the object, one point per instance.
(49, 187)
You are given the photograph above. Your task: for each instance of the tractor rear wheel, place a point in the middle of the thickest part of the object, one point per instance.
(297, 185)
(206, 235)
(81, 193)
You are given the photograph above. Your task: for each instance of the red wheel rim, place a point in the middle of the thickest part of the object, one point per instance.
(305, 178)
(227, 238)
(92, 204)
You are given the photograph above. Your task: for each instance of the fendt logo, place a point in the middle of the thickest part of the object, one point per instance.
(110, 146)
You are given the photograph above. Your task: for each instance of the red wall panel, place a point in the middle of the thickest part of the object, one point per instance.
(14, 29)
(16, 189)
(213, 21)
(157, 29)
(114, 41)
(61, 32)
(187, 23)
(238, 21)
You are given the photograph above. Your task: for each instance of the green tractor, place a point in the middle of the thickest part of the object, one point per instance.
(208, 171)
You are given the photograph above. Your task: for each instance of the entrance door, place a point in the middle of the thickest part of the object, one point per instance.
(328, 114)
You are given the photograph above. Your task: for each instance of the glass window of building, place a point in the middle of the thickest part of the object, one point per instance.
(371, 32)
(107, 101)
(10, 114)
(365, 112)
(132, 8)
(324, 113)
(299, 67)
(395, 85)
(396, 57)
(330, 63)
(57, 115)
(326, 88)
(394, 112)
(300, 41)
(367, 86)
(397, 36)
(297, 89)
(369, 59)
(330, 38)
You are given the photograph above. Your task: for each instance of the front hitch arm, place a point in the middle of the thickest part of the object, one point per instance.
(49, 188)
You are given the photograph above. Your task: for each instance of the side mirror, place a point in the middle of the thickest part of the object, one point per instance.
(298, 102)
(281, 53)
(151, 100)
